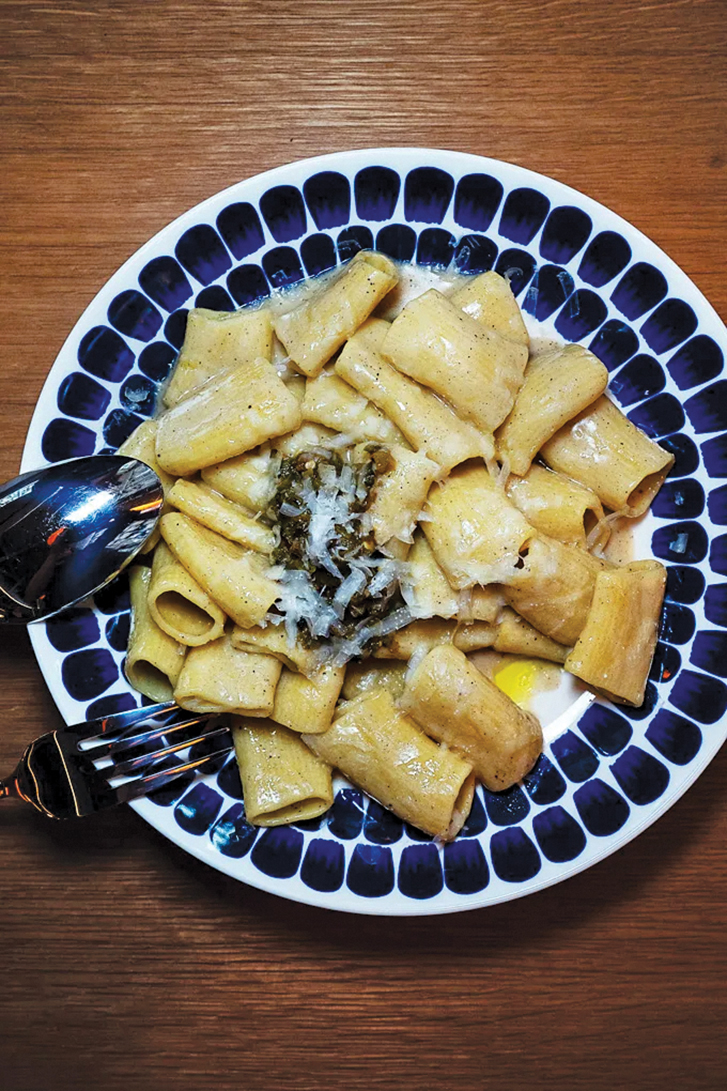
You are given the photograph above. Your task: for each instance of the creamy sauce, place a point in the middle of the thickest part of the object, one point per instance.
(620, 546)
(414, 281)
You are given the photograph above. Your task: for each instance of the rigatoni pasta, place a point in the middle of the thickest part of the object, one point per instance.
(273, 640)
(230, 414)
(153, 658)
(429, 594)
(330, 401)
(141, 444)
(426, 589)
(411, 642)
(367, 675)
(282, 781)
(614, 650)
(235, 578)
(474, 531)
(556, 388)
(216, 341)
(314, 331)
(488, 298)
(346, 547)
(247, 479)
(603, 450)
(217, 677)
(559, 507)
(177, 603)
(476, 370)
(514, 635)
(452, 701)
(429, 424)
(554, 587)
(379, 747)
(308, 704)
(400, 495)
(214, 511)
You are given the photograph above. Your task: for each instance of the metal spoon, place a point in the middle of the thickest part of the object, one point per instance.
(68, 529)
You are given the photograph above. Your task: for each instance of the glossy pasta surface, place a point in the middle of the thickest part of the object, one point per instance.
(345, 489)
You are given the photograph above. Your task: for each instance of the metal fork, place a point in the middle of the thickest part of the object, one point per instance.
(70, 772)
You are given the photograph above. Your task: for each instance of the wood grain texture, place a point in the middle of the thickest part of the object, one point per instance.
(128, 964)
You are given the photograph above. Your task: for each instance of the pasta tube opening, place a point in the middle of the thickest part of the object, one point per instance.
(603, 450)
(282, 781)
(149, 680)
(184, 616)
(153, 658)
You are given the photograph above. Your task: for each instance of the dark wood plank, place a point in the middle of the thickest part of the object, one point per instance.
(128, 964)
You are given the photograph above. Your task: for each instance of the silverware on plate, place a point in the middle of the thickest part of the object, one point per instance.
(67, 529)
(86, 768)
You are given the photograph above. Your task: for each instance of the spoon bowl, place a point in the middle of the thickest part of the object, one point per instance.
(68, 529)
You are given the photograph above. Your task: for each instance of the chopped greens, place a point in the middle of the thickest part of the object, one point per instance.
(338, 587)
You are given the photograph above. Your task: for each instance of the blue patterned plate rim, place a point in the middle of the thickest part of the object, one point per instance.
(525, 843)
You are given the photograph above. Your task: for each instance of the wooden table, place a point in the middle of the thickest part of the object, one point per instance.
(130, 965)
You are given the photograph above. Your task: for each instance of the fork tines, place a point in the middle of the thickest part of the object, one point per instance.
(142, 744)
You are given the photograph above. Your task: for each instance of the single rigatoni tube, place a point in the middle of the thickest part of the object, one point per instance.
(516, 636)
(307, 704)
(554, 391)
(179, 605)
(272, 640)
(224, 516)
(230, 414)
(218, 678)
(330, 401)
(235, 577)
(455, 704)
(614, 651)
(603, 450)
(476, 370)
(153, 659)
(248, 479)
(381, 749)
(314, 331)
(400, 494)
(282, 781)
(216, 341)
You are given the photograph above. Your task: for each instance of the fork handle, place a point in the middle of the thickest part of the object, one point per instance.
(9, 788)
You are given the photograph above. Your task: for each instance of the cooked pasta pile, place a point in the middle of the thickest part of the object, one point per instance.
(353, 506)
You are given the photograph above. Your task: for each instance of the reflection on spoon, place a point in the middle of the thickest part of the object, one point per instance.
(68, 529)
